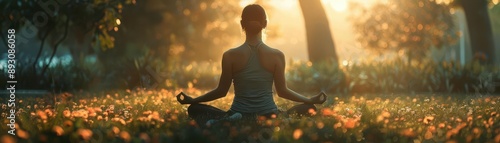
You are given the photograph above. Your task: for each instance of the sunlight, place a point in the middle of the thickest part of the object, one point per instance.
(244, 3)
(283, 4)
(337, 5)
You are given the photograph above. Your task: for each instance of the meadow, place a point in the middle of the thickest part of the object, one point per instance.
(155, 116)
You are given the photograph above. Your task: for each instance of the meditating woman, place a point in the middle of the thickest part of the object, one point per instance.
(252, 67)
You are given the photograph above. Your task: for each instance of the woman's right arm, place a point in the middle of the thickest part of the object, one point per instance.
(280, 83)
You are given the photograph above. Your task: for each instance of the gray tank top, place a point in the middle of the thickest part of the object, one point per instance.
(253, 87)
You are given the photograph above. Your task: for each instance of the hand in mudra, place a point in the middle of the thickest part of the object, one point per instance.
(318, 99)
(184, 99)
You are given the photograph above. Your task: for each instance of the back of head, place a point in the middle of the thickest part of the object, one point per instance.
(253, 19)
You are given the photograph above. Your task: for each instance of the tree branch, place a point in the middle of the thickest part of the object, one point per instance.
(41, 48)
(56, 46)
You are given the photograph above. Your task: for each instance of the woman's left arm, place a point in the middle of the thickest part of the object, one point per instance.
(224, 83)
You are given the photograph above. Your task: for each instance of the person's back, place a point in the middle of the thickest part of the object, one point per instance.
(253, 68)
(253, 85)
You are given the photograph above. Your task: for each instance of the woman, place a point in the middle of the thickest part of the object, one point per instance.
(253, 67)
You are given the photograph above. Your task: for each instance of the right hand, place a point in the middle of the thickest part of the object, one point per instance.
(184, 99)
(318, 99)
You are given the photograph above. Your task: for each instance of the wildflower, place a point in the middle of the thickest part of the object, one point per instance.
(147, 112)
(297, 134)
(408, 133)
(312, 111)
(386, 114)
(432, 129)
(125, 136)
(22, 134)
(320, 125)
(41, 114)
(122, 122)
(115, 130)
(428, 135)
(8, 139)
(487, 99)
(68, 123)
(497, 138)
(493, 113)
(58, 130)
(380, 118)
(145, 137)
(469, 119)
(428, 119)
(441, 125)
(327, 112)
(85, 134)
(49, 112)
(350, 123)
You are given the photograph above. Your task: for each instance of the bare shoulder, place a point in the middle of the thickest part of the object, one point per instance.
(233, 52)
(273, 51)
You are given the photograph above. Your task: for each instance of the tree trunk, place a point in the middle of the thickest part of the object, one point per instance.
(480, 32)
(320, 46)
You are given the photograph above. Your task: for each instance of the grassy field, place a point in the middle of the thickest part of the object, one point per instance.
(156, 116)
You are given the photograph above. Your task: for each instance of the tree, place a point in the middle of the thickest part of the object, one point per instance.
(409, 26)
(52, 20)
(479, 25)
(320, 46)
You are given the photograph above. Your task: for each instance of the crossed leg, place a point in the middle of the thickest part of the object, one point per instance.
(201, 113)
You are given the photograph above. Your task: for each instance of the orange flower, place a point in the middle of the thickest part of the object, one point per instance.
(58, 130)
(115, 130)
(8, 139)
(337, 125)
(41, 114)
(68, 123)
(408, 133)
(469, 119)
(49, 112)
(431, 129)
(327, 112)
(85, 134)
(441, 125)
(428, 119)
(320, 125)
(22, 134)
(497, 138)
(145, 137)
(312, 111)
(350, 123)
(297, 134)
(385, 114)
(428, 135)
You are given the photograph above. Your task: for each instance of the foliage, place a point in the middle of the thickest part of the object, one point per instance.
(395, 77)
(318, 77)
(57, 78)
(97, 17)
(412, 27)
(189, 30)
(155, 115)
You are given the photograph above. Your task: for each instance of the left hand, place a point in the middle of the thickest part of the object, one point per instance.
(184, 99)
(318, 99)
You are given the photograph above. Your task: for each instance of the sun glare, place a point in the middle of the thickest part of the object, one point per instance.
(284, 4)
(244, 3)
(337, 5)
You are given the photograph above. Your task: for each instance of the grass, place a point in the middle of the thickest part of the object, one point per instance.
(156, 116)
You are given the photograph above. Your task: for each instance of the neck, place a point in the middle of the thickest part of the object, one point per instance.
(253, 39)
